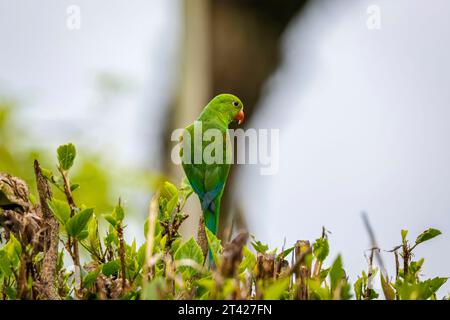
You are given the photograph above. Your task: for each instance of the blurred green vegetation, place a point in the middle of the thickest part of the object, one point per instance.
(102, 181)
(166, 266)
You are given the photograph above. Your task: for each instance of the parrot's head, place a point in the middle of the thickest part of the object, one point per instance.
(228, 107)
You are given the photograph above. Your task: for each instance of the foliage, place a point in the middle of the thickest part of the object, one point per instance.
(169, 267)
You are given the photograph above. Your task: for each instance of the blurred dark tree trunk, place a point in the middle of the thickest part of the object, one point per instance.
(229, 46)
(245, 44)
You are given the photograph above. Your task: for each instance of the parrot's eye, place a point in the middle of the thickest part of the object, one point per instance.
(235, 103)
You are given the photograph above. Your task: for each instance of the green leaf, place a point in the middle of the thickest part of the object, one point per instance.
(319, 291)
(192, 251)
(228, 287)
(372, 294)
(321, 249)
(48, 174)
(78, 222)
(162, 241)
(10, 256)
(110, 268)
(11, 293)
(141, 254)
(427, 235)
(176, 244)
(435, 283)
(66, 156)
(214, 246)
(5, 264)
(388, 291)
(118, 213)
(38, 258)
(259, 246)
(153, 289)
(168, 199)
(168, 191)
(60, 209)
(33, 199)
(276, 290)
(323, 274)
(419, 290)
(248, 261)
(13, 249)
(111, 238)
(404, 234)
(83, 234)
(186, 188)
(94, 240)
(206, 283)
(415, 266)
(110, 219)
(358, 287)
(283, 254)
(171, 204)
(74, 187)
(337, 273)
(90, 278)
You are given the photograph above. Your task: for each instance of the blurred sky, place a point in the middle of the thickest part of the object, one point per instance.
(363, 114)
(364, 126)
(101, 86)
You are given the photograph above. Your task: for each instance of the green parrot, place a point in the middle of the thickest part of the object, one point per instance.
(208, 179)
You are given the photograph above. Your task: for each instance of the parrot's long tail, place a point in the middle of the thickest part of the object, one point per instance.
(211, 216)
(210, 221)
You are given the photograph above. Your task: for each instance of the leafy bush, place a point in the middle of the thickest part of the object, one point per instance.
(37, 233)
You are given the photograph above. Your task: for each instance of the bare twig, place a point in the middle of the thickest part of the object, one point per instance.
(318, 263)
(201, 237)
(397, 265)
(373, 242)
(303, 272)
(370, 273)
(152, 215)
(122, 253)
(232, 255)
(73, 245)
(406, 257)
(299, 260)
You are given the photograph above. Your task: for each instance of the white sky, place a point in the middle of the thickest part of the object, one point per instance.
(54, 70)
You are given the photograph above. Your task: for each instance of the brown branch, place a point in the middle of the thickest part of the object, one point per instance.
(406, 258)
(48, 276)
(397, 265)
(232, 255)
(318, 263)
(68, 192)
(74, 252)
(299, 260)
(21, 278)
(152, 216)
(122, 255)
(201, 237)
(370, 274)
(303, 271)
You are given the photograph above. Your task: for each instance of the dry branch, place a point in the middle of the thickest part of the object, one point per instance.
(51, 226)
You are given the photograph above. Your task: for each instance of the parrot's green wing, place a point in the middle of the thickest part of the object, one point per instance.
(215, 178)
(208, 182)
(194, 172)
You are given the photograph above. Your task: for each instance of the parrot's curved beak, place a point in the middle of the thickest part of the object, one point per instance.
(240, 117)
